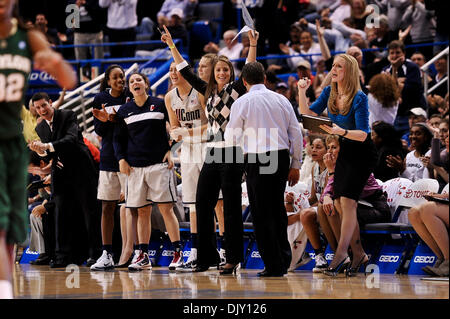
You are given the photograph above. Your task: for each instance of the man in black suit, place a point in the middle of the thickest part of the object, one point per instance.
(74, 183)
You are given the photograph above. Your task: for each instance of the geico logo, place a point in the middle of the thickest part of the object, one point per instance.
(167, 253)
(148, 71)
(30, 252)
(424, 259)
(388, 259)
(255, 254)
(329, 256)
(152, 252)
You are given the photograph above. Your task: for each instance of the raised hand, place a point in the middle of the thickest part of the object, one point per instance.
(253, 35)
(396, 163)
(335, 129)
(166, 37)
(101, 115)
(320, 30)
(303, 84)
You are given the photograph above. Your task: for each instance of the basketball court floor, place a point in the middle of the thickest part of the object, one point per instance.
(43, 282)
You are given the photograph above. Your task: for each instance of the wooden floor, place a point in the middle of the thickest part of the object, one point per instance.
(42, 282)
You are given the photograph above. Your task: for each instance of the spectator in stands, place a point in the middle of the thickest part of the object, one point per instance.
(231, 50)
(412, 167)
(359, 13)
(383, 99)
(422, 30)
(121, 25)
(38, 207)
(407, 75)
(440, 10)
(388, 143)
(378, 212)
(89, 32)
(142, 148)
(431, 222)
(186, 6)
(342, 12)
(307, 46)
(308, 216)
(41, 23)
(394, 10)
(441, 72)
(438, 162)
(415, 115)
(30, 119)
(419, 59)
(382, 36)
(443, 131)
(176, 26)
(304, 71)
(319, 78)
(434, 121)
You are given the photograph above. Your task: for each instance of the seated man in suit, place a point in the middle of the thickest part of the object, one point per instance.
(74, 183)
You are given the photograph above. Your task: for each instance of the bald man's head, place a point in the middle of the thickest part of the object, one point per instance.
(355, 52)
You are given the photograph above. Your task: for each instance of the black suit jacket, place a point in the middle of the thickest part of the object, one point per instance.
(73, 167)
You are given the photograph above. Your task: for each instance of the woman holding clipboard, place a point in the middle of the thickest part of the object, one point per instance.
(349, 111)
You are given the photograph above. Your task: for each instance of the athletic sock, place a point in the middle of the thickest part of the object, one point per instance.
(143, 248)
(319, 251)
(176, 246)
(108, 248)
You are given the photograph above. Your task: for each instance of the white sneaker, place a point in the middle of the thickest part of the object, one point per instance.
(177, 261)
(191, 262)
(223, 258)
(142, 263)
(105, 262)
(137, 252)
(321, 263)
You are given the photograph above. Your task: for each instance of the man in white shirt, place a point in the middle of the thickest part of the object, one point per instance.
(232, 49)
(264, 123)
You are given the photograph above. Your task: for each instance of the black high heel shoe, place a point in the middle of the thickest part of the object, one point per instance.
(341, 267)
(352, 271)
(230, 270)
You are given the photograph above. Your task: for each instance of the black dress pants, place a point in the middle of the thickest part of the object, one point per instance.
(266, 188)
(223, 169)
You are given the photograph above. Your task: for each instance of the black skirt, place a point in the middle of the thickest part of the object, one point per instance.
(355, 162)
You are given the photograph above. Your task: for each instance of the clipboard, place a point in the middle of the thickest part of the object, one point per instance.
(312, 123)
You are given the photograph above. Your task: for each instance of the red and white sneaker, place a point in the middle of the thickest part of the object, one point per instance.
(141, 263)
(177, 261)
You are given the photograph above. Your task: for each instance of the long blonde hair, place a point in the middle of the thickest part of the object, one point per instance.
(350, 85)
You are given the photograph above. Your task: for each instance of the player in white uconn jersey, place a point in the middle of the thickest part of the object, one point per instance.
(188, 121)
